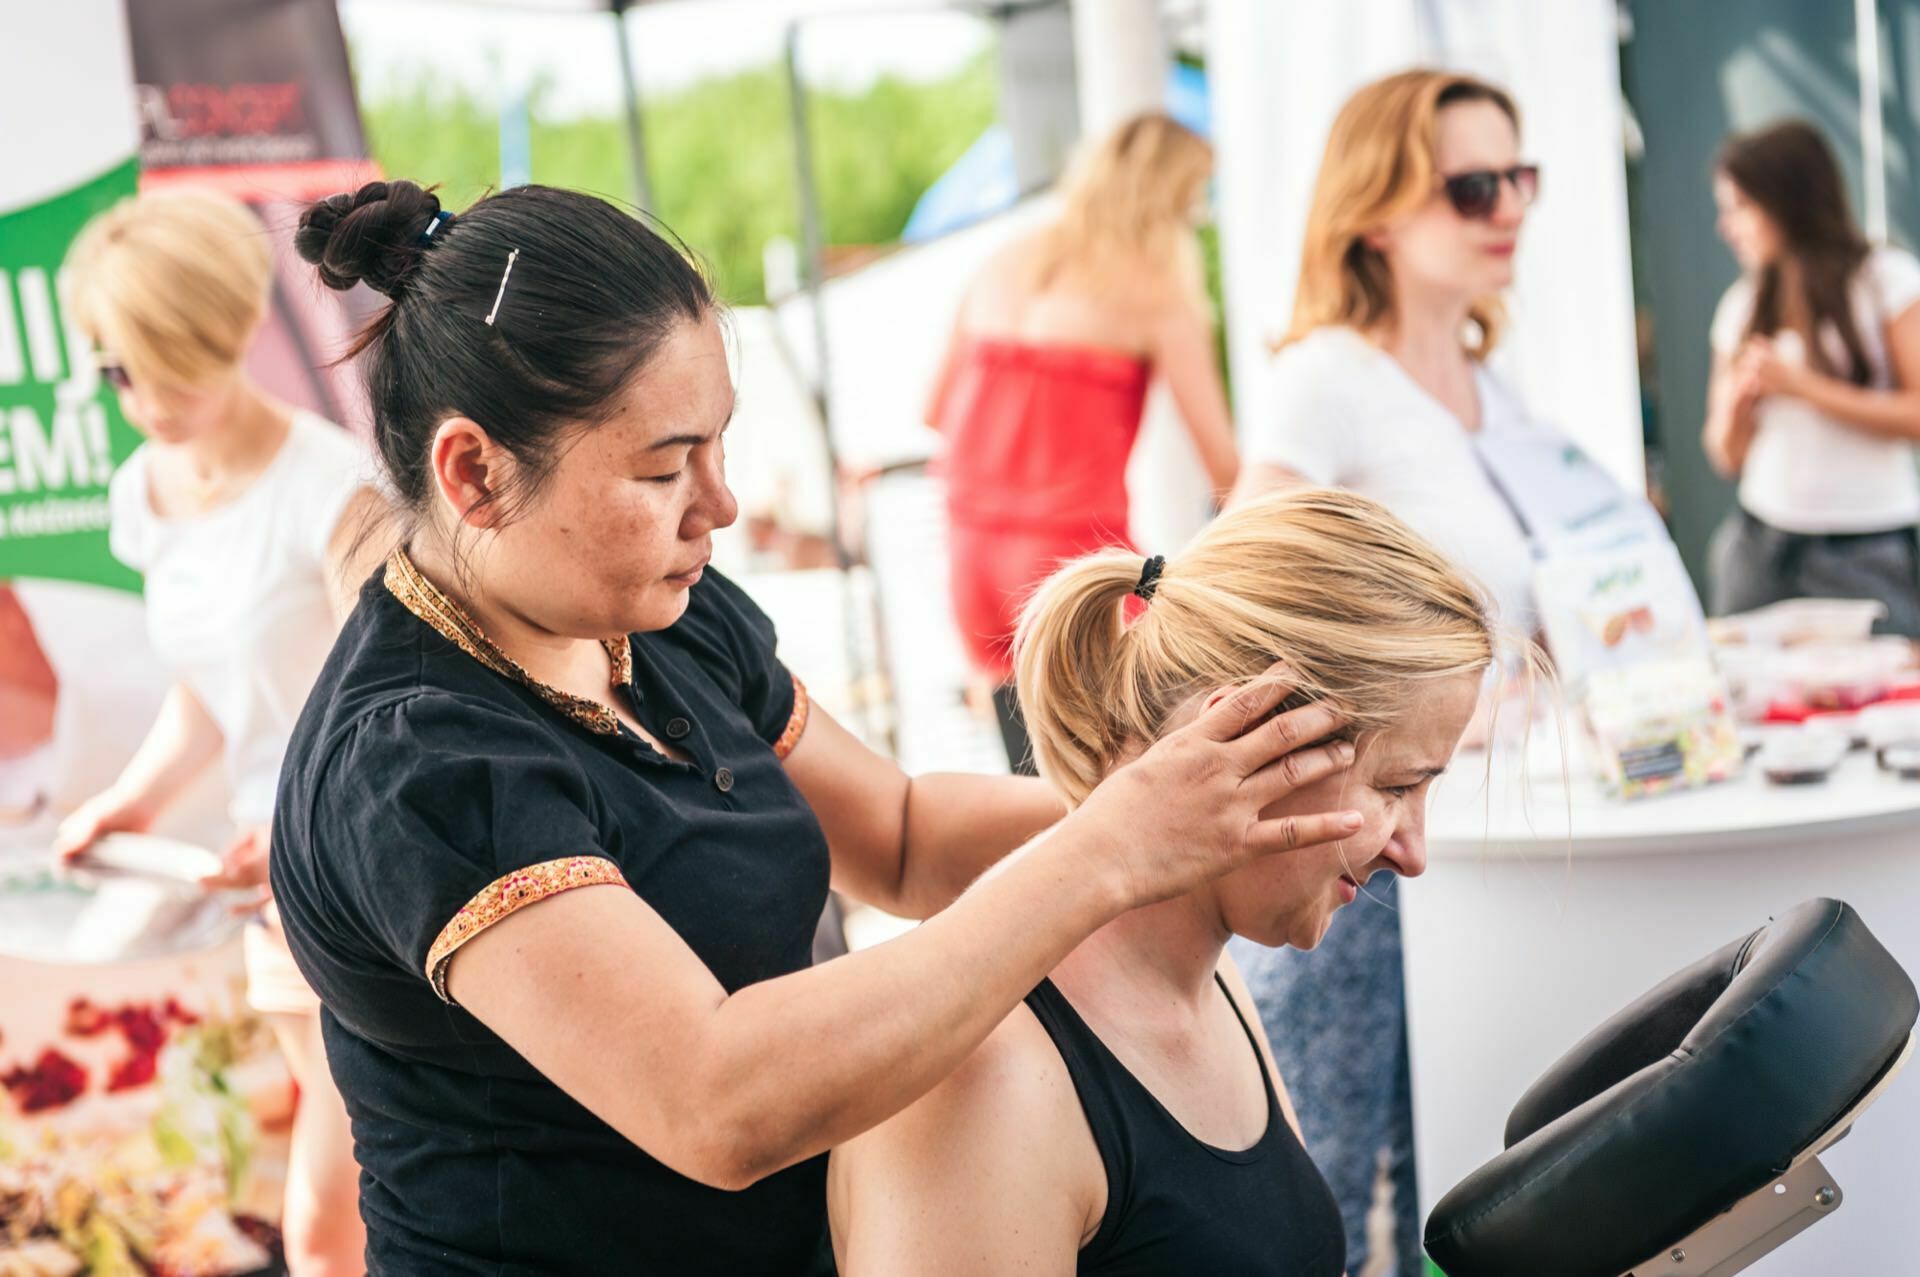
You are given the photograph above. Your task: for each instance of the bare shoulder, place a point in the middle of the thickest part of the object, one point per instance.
(1003, 281)
(998, 1155)
(1012, 1091)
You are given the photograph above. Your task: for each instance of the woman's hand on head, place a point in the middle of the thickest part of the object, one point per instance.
(1188, 809)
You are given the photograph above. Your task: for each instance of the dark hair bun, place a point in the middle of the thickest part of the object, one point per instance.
(372, 236)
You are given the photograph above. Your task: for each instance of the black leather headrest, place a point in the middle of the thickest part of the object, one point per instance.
(1695, 1096)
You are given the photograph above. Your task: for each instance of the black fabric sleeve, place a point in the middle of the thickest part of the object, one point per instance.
(734, 641)
(439, 816)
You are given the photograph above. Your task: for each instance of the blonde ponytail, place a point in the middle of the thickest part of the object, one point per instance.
(1066, 653)
(1359, 606)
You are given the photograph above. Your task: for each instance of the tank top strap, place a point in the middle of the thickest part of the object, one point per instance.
(1099, 1086)
(1266, 1074)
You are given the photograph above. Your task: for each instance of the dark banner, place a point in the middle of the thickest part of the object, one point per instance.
(255, 98)
(254, 83)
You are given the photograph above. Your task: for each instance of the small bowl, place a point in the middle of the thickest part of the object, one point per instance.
(1845, 723)
(1890, 723)
(1805, 757)
(1902, 759)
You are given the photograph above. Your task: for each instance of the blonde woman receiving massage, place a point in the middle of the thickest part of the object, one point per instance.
(1128, 1118)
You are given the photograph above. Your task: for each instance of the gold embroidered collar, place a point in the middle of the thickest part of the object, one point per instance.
(424, 599)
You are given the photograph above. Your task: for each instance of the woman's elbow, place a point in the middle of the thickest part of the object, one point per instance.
(1226, 474)
(721, 1155)
(1719, 459)
(731, 1143)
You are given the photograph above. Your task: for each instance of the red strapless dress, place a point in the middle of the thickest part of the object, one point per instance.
(1038, 438)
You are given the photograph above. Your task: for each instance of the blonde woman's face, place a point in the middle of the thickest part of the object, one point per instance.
(1434, 249)
(175, 414)
(1290, 898)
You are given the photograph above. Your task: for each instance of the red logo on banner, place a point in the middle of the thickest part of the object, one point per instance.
(216, 110)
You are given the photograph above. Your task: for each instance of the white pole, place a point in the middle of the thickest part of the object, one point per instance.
(1120, 61)
(1120, 68)
(1873, 136)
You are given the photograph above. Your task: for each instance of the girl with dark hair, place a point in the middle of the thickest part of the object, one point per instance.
(1814, 404)
(557, 824)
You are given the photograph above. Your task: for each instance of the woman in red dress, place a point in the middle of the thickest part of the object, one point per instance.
(1041, 390)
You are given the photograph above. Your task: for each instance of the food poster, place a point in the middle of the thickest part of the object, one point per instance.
(144, 1120)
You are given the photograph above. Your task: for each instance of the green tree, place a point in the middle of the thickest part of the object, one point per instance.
(719, 154)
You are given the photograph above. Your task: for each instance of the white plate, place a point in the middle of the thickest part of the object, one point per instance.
(145, 856)
(130, 896)
(50, 913)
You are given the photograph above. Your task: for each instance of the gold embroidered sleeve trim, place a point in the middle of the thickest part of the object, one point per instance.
(508, 893)
(796, 721)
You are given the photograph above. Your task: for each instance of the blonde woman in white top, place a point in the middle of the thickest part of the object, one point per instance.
(1815, 400)
(241, 513)
(1381, 383)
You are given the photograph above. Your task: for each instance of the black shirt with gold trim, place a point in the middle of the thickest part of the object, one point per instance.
(431, 788)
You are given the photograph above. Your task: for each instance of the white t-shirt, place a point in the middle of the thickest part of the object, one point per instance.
(1343, 413)
(1807, 472)
(237, 598)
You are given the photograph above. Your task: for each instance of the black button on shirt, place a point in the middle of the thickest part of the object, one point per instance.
(416, 780)
(678, 728)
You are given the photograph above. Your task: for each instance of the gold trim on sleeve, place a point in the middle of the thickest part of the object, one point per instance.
(796, 721)
(508, 893)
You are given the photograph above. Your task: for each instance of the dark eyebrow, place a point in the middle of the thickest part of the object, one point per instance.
(693, 441)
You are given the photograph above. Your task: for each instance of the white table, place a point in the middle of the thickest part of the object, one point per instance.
(1543, 912)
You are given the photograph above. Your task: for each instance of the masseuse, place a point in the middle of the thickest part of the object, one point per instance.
(557, 825)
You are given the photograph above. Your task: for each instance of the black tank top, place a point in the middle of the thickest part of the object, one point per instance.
(1176, 1206)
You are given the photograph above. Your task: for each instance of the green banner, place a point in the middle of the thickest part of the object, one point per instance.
(61, 432)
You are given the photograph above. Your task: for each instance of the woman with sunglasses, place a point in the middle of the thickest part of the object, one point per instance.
(241, 512)
(1381, 386)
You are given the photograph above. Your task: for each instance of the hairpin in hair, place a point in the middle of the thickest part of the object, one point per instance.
(439, 220)
(503, 287)
(1150, 577)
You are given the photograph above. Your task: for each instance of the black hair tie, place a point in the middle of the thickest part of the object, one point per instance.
(1150, 577)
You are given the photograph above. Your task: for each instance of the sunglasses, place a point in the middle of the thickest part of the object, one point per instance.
(1476, 194)
(112, 371)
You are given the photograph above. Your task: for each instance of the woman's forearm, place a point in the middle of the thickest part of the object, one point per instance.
(1728, 434)
(601, 995)
(956, 826)
(183, 740)
(877, 1029)
(1893, 414)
